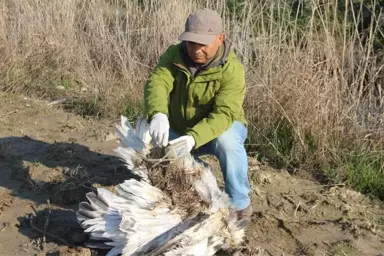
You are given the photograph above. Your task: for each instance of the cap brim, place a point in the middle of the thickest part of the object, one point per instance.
(197, 38)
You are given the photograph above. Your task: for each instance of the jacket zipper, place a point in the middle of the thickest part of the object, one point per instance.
(186, 72)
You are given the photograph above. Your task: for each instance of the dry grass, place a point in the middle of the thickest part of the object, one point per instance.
(100, 49)
(314, 85)
(175, 180)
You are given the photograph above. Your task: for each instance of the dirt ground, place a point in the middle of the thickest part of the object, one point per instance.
(49, 159)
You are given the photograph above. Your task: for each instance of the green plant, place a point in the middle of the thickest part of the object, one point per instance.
(85, 107)
(365, 172)
(133, 109)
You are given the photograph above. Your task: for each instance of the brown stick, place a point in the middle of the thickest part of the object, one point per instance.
(46, 223)
(47, 233)
(5, 226)
(34, 210)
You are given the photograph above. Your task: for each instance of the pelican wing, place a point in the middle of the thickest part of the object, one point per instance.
(138, 218)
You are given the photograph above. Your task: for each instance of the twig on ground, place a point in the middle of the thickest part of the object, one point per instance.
(297, 207)
(46, 223)
(9, 113)
(82, 126)
(34, 210)
(5, 226)
(305, 190)
(324, 186)
(164, 158)
(58, 102)
(309, 221)
(286, 197)
(47, 233)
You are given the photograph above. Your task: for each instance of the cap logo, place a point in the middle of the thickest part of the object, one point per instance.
(209, 30)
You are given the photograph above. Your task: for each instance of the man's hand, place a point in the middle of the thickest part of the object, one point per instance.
(142, 130)
(189, 142)
(159, 129)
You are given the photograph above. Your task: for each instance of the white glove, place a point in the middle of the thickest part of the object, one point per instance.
(190, 142)
(159, 129)
(142, 130)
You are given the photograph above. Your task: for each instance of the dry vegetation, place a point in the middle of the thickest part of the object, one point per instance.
(315, 96)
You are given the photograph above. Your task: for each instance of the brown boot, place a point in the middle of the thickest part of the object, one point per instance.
(244, 216)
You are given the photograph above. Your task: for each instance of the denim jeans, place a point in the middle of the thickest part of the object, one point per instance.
(230, 151)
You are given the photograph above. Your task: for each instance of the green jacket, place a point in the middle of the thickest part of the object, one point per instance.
(204, 104)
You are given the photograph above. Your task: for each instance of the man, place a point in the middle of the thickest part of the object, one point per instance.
(196, 93)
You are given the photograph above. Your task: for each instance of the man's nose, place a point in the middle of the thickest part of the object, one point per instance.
(196, 46)
(197, 50)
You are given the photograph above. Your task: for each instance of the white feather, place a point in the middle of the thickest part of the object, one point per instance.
(210, 192)
(139, 220)
(200, 248)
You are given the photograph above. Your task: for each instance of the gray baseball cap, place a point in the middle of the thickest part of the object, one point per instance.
(202, 26)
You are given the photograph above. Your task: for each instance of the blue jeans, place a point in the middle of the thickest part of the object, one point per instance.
(230, 151)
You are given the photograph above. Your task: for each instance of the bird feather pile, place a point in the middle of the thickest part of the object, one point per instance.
(173, 207)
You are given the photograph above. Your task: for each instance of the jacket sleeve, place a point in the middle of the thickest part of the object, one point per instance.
(158, 87)
(227, 105)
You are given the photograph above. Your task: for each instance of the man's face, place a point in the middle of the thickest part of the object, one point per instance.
(200, 53)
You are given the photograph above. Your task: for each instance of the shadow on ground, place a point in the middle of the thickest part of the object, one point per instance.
(61, 172)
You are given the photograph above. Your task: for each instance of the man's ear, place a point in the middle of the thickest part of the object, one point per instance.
(221, 38)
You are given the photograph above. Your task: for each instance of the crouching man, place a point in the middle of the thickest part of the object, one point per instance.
(196, 93)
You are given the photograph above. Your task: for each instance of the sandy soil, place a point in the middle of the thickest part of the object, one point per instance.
(49, 159)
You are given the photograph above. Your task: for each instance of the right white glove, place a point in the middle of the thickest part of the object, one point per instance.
(159, 129)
